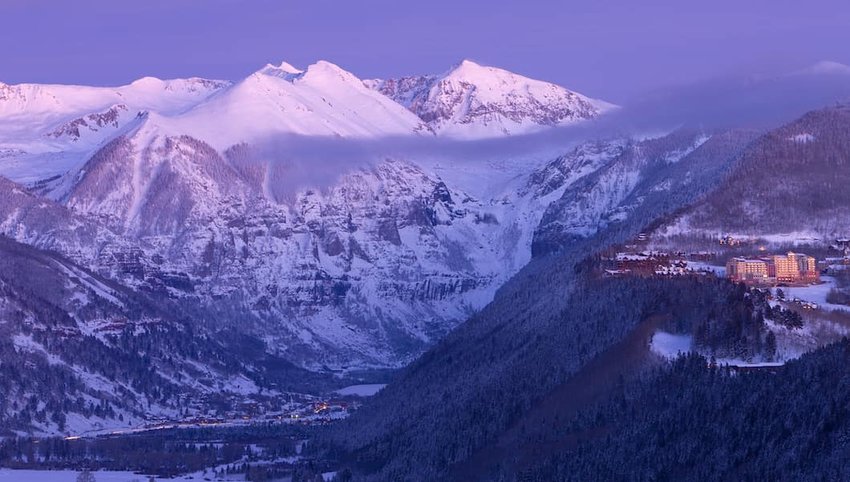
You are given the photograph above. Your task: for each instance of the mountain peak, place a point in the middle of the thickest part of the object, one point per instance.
(468, 68)
(284, 70)
(320, 100)
(327, 74)
(474, 101)
(287, 67)
(325, 68)
(147, 81)
(321, 70)
(468, 64)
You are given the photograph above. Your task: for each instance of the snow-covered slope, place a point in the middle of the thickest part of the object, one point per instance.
(170, 186)
(166, 96)
(475, 101)
(322, 100)
(54, 113)
(637, 178)
(45, 130)
(81, 352)
(365, 271)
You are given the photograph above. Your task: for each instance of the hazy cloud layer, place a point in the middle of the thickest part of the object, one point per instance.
(752, 103)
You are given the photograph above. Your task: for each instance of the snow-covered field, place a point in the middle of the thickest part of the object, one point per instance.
(670, 346)
(361, 390)
(815, 293)
(737, 362)
(683, 226)
(9, 475)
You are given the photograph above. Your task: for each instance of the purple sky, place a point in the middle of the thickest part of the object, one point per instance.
(605, 48)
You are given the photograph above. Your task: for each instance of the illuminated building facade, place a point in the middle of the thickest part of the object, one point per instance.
(788, 268)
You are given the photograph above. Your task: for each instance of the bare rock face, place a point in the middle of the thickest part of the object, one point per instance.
(91, 123)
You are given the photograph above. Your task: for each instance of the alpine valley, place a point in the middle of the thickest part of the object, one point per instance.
(188, 248)
(190, 194)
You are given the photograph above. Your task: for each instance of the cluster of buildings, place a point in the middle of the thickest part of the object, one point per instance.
(791, 268)
(652, 263)
(842, 245)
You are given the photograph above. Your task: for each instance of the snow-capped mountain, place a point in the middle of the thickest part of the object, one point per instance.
(59, 114)
(25, 101)
(48, 130)
(366, 271)
(45, 130)
(169, 187)
(176, 192)
(190, 201)
(322, 100)
(476, 101)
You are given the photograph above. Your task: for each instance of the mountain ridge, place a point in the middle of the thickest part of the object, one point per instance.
(475, 101)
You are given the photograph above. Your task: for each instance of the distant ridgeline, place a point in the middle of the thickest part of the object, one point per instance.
(791, 179)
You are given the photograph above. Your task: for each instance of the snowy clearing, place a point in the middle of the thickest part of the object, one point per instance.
(814, 293)
(737, 362)
(669, 345)
(719, 271)
(362, 390)
(9, 475)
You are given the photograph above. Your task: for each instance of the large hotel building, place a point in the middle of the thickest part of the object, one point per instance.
(789, 268)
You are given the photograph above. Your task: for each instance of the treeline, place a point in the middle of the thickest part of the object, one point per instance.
(165, 453)
(840, 295)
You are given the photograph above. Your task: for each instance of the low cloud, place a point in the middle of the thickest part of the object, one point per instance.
(754, 103)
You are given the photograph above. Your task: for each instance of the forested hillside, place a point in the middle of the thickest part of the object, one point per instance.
(689, 421)
(453, 407)
(793, 178)
(522, 381)
(79, 350)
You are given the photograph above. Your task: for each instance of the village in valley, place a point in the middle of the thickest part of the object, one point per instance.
(738, 259)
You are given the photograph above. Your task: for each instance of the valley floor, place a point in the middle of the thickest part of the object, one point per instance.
(11, 475)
